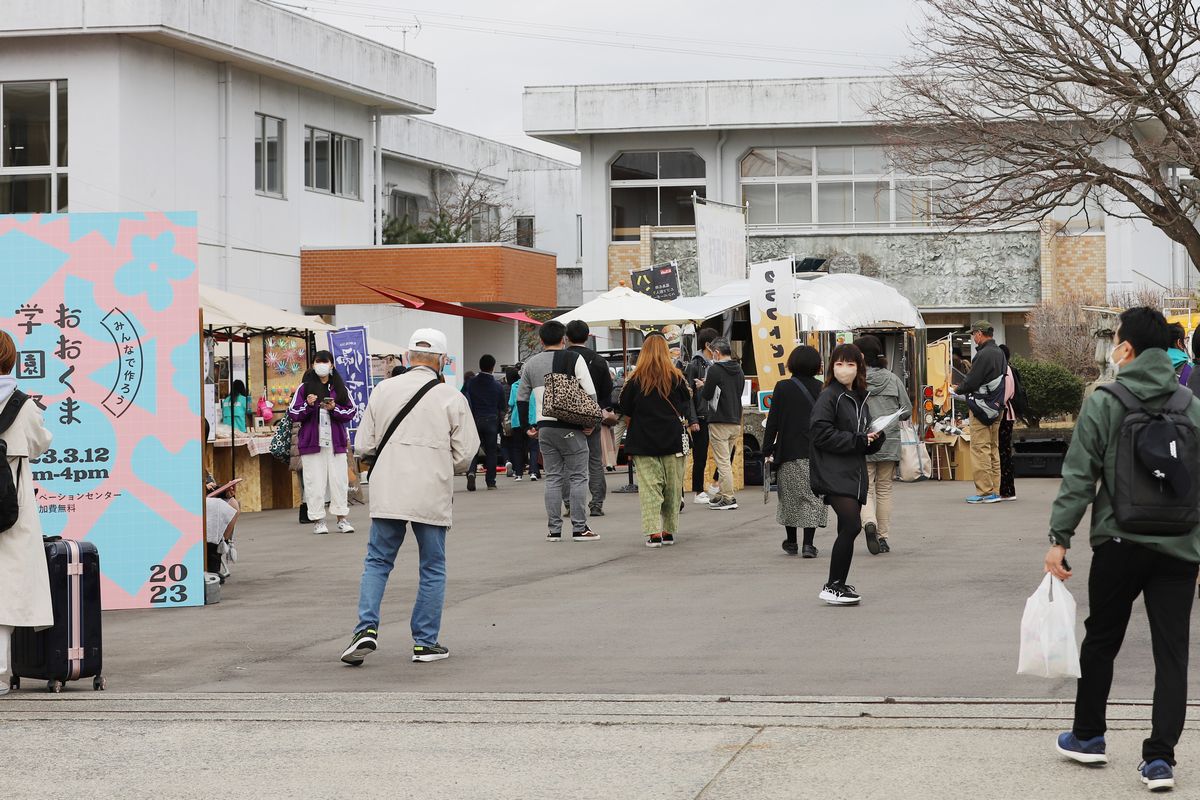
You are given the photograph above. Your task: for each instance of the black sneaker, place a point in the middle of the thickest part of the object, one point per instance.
(596, 510)
(585, 536)
(553, 537)
(722, 504)
(668, 539)
(433, 652)
(471, 481)
(883, 546)
(791, 548)
(839, 594)
(872, 532)
(362, 645)
(809, 551)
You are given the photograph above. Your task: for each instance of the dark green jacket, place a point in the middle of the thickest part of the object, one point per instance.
(1092, 458)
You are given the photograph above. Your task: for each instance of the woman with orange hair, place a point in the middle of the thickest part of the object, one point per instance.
(659, 407)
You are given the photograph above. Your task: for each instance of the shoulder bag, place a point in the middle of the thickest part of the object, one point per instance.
(564, 398)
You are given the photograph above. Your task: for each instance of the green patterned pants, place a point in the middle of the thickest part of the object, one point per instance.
(660, 482)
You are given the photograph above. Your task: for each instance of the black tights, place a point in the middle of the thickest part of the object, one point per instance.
(809, 533)
(849, 523)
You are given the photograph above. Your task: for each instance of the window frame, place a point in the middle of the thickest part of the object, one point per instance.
(54, 172)
(337, 159)
(528, 219)
(260, 134)
(656, 183)
(890, 179)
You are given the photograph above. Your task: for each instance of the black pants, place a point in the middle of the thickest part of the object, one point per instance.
(699, 456)
(1008, 483)
(518, 450)
(849, 523)
(489, 437)
(1121, 570)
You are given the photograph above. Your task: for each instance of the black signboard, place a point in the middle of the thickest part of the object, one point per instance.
(661, 282)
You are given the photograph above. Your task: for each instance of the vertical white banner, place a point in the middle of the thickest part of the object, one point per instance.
(720, 244)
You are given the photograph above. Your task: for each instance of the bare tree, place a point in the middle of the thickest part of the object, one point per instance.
(466, 207)
(1020, 108)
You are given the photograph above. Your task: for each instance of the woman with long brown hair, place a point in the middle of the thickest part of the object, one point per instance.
(841, 440)
(659, 408)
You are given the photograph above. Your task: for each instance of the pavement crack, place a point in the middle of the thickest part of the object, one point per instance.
(729, 763)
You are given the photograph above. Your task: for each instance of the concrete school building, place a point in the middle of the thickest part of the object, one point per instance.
(805, 154)
(285, 135)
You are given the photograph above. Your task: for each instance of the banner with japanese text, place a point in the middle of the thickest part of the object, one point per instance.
(104, 312)
(353, 363)
(772, 319)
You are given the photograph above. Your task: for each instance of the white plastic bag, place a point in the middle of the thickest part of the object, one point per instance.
(915, 464)
(1048, 647)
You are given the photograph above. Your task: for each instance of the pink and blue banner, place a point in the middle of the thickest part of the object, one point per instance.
(104, 311)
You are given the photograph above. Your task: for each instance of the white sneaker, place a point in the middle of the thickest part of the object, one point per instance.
(702, 498)
(516, 477)
(533, 477)
(321, 527)
(344, 526)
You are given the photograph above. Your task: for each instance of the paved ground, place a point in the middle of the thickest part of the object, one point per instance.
(723, 612)
(709, 670)
(545, 746)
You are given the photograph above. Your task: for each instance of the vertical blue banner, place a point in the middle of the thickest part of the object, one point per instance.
(349, 348)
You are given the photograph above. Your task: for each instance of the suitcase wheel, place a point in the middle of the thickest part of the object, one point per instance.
(14, 683)
(99, 684)
(54, 686)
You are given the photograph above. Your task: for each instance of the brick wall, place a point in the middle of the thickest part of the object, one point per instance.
(493, 273)
(1080, 264)
(622, 259)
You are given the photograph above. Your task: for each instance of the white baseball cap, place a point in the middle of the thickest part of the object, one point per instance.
(428, 340)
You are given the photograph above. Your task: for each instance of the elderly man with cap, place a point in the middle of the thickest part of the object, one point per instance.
(418, 432)
(985, 380)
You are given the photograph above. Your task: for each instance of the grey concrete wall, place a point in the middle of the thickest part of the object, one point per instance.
(952, 270)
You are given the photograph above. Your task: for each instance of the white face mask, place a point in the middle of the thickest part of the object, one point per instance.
(845, 374)
(322, 370)
(1116, 360)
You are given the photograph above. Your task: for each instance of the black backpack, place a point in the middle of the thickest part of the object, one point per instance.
(1020, 399)
(10, 507)
(1157, 481)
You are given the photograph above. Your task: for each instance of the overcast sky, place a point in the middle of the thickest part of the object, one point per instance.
(487, 51)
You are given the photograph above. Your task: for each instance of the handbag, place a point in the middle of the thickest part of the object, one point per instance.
(265, 409)
(564, 398)
(687, 437)
(281, 441)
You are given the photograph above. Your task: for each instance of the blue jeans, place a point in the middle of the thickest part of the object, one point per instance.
(384, 544)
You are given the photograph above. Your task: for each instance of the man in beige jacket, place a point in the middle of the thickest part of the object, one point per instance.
(412, 483)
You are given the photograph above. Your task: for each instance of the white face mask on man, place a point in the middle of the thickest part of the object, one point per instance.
(322, 370)
(845, 374)
(1118, 357)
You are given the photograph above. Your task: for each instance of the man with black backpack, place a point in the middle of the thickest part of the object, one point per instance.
(983, 389)
(1139, 439)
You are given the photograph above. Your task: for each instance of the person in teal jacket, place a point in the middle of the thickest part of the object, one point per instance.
(234, 407)
(1163, 569)
(524, 449)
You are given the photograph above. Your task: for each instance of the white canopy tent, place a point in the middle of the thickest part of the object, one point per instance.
(846, 302)
(622, 307)
(226, 310)
(718, 301)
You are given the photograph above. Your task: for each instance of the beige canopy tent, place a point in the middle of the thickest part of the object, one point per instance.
(230, 311)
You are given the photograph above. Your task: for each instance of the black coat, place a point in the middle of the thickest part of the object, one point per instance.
(787, 429)
(598, 369)
(654, 426)
(838, 463)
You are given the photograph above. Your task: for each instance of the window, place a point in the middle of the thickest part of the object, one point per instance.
(404, 208)
(850, 185)
(653, 189)
(33, 147)
(485, 226)
(332, 163)
(525, 231)
(579, 237)
(268, 155)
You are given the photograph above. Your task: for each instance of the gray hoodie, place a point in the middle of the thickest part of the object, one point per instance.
(887, 395)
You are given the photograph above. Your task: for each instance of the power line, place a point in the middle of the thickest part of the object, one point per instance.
(590, 42)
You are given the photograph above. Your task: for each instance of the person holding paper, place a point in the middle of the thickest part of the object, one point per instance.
(887, 398)
(841, 439)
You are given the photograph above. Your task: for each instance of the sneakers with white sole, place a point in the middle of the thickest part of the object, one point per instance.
(839, 594)
(362, 645)
(321, 527)
(702, 498)
(430, 652)
(344, 526)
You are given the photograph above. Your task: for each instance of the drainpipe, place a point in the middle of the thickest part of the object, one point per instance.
(379, 199)
(721, 139)
(226, 179)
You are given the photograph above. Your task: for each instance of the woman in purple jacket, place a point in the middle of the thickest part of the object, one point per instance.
(324, 409)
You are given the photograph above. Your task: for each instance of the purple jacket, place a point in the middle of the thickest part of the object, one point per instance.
(309, 441)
